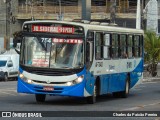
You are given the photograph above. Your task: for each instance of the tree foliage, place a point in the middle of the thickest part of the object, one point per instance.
(152, 51)
(151, 46)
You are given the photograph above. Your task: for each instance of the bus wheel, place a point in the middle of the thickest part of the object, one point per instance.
(92, 99)
(5, 77)
(40, 97)
(125, 93)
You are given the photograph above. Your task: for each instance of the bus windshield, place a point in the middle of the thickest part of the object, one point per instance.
(48, 52)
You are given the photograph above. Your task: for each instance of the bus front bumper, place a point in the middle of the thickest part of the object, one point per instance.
(75, 90)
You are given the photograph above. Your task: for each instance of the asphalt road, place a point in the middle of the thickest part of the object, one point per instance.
(143, 97)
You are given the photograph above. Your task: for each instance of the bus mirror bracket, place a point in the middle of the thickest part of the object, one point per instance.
(90, 39)
(90, 50)
(17, 51)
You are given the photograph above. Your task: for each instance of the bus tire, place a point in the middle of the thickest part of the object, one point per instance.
(116, 94)
(92, 99)
(125, 93)
(40, 97)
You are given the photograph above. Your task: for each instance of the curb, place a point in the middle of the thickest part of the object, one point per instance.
(150, 79)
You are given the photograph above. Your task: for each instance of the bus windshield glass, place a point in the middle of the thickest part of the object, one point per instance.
(52, 52)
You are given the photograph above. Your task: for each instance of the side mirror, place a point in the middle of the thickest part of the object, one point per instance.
(17, 38)
(10, 65)
(16, 43)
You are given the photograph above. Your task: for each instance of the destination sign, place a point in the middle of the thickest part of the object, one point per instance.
(52, 29)
(72, 41)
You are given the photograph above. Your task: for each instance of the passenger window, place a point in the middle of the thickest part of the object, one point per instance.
(141, 46)
(123, 46)
(114, 48)
(130, 44)
(136, 48)
(106, 47)
(99, 46)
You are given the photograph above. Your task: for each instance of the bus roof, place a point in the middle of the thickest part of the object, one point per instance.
(91, 26)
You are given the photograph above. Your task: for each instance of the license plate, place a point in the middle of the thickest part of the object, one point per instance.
(48, 88)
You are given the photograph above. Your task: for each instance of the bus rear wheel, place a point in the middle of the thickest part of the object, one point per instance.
(40, 97)
(125, 93)
(92, 99)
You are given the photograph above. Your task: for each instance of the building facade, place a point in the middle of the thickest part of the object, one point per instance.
(19, 11)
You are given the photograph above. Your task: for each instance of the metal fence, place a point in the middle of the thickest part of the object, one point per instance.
(48, 7)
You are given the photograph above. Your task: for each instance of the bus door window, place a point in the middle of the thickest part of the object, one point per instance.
(106, 47)
(123, 45)
(130, 44)
(90, 41)
(115, 45)
(99, 46)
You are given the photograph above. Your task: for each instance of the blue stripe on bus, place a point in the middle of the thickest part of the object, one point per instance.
(76, 90)
(139, 67)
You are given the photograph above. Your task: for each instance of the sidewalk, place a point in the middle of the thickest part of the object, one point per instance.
(148, 78)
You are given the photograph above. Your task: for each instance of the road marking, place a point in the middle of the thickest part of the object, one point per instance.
(140, 106)
(7, 93)
(148, 82)
(9, 90)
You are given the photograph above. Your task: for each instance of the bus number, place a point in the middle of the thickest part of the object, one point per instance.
(99, 64)
(46, 40)
(129, 64)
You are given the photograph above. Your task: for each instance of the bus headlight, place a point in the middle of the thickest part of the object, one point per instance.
(69, 83)
(79, 79)
(29, 81)
(76, 81)
(21, 76)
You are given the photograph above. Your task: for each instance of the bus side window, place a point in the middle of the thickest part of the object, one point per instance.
(136, 45)
(123, 45)
(106, 47)
(141, 46)
(114, 48)
(130, 45)
(99, 46)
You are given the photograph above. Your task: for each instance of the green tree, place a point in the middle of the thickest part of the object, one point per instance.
(152, 51)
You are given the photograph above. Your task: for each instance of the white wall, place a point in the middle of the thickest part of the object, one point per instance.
(1, 44)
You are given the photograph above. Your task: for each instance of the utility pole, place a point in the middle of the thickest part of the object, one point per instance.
(86, 10)
(60, 17)
(113, 11)
(8, 16)
(138, 17)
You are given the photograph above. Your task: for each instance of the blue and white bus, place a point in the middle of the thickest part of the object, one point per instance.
(81, 60)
